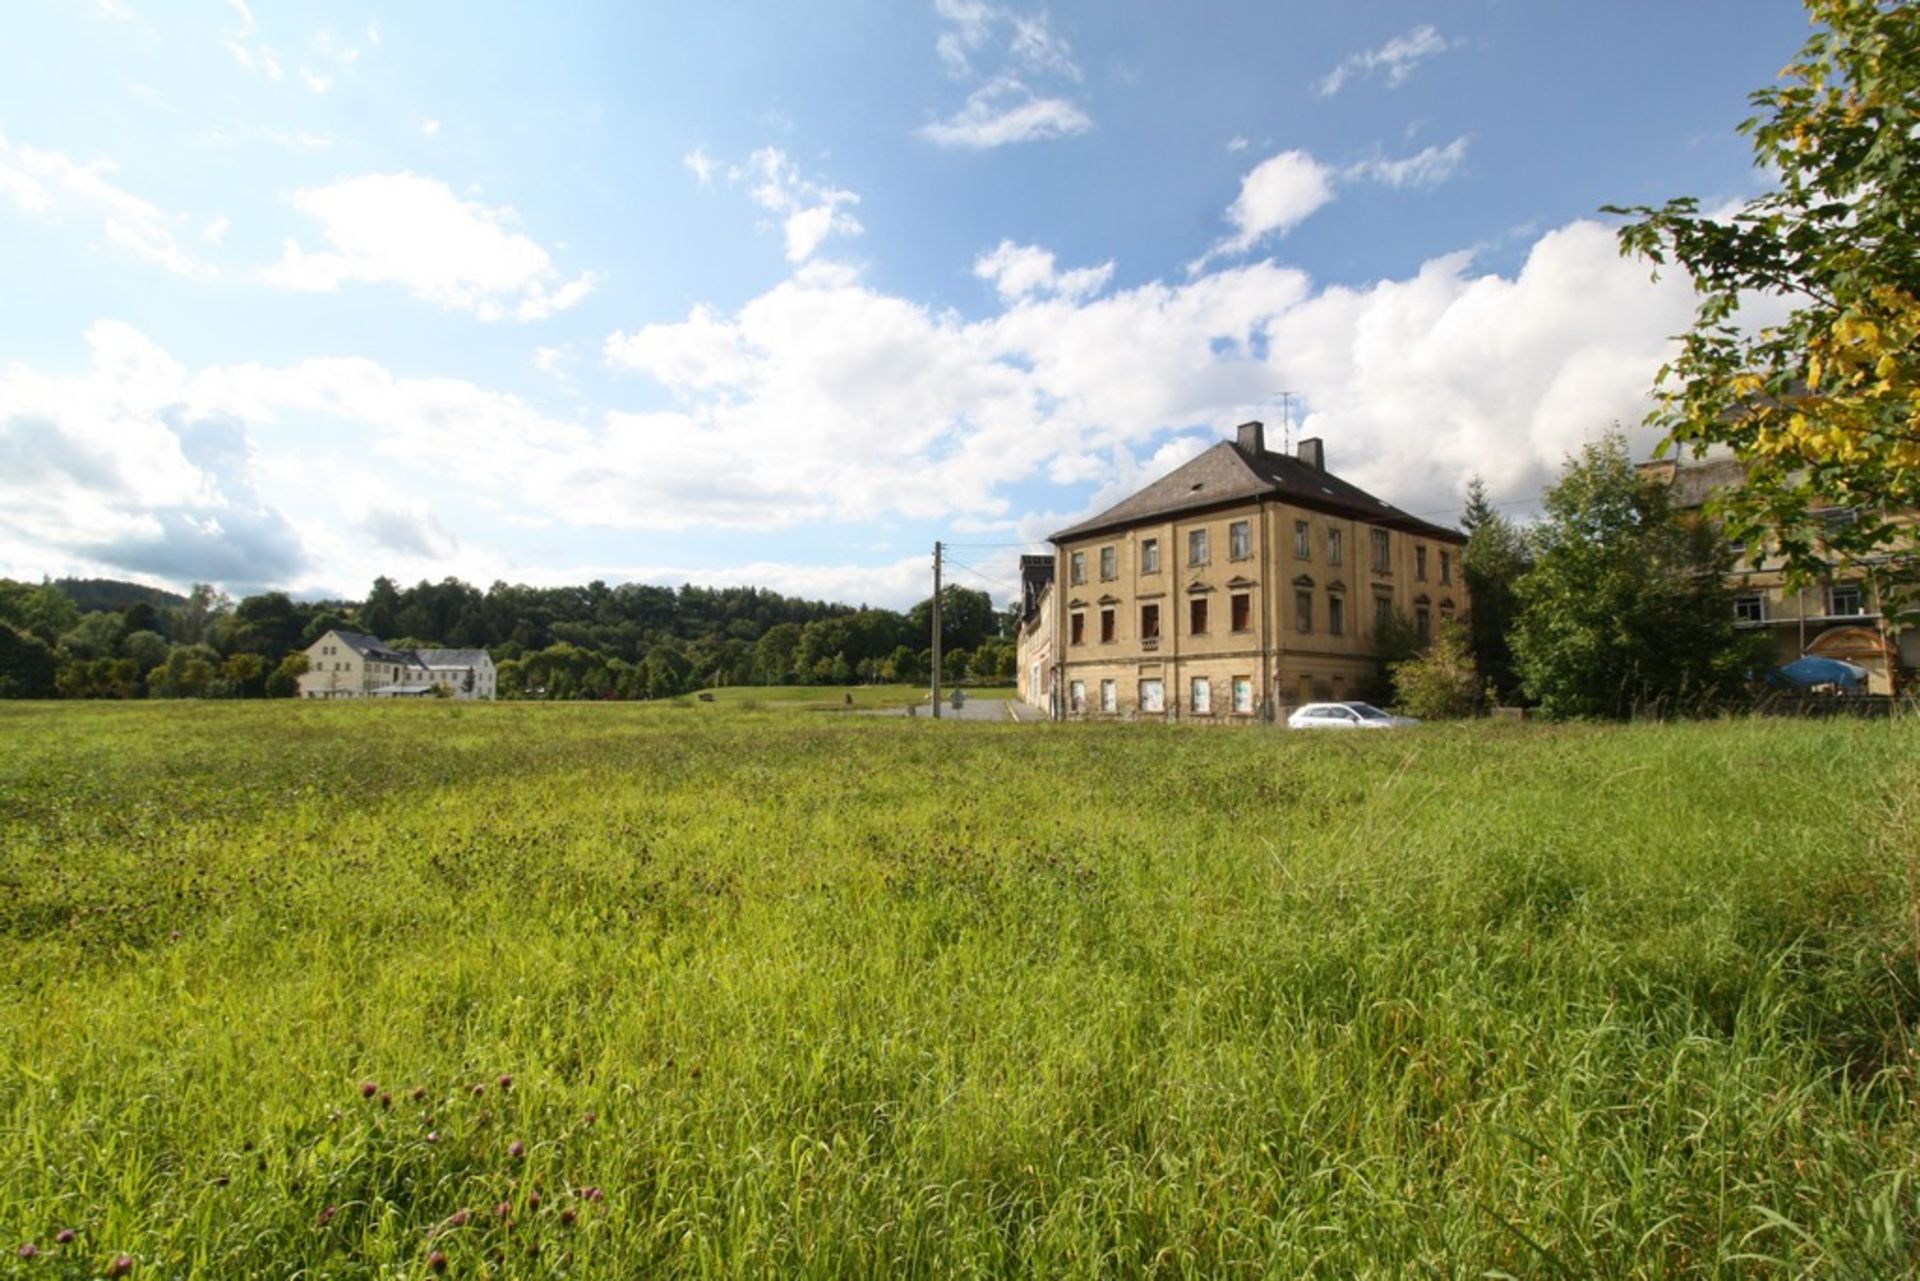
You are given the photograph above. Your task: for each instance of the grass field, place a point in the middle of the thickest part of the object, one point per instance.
(843, 995)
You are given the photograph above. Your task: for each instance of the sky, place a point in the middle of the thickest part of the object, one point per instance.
(778, 295)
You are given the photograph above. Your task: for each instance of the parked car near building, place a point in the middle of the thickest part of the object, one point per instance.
(1346, 716)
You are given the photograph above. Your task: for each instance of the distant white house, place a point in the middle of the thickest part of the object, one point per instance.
(344, 664)
(464, 673)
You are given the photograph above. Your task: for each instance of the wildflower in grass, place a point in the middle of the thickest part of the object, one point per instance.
(436, 1262)
(386, 1100)
(533, 1200)
(122, 1264)
(590, 1118)
(419, 1094)
(506, 1082)
(567, 1216)
(502, 1210)
(433, 1136)
(326, 1215)
(29, 1251)
(368, 1089)
(478, 1089)
(458, 1219)
(65, 1236)
(592, 1194)
(516, 1149)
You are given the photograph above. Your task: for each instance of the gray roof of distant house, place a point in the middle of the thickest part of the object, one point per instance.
(373, 647)
(453, 657)
(1227, 474)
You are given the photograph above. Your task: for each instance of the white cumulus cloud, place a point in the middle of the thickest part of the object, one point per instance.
(414, 232)
(1023, 95)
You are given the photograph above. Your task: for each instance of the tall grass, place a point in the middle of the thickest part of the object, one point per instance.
(852, 996)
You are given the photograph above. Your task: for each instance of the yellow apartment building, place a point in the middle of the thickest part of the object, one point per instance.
(1238, 586)
(1838, 616)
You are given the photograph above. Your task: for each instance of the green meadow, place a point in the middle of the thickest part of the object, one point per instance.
(741, 988)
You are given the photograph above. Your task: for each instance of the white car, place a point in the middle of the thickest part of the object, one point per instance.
(1345, 716)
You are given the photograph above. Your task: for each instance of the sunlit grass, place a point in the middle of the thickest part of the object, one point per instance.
(825, 995)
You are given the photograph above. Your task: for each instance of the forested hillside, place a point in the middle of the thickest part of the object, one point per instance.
(630, 641)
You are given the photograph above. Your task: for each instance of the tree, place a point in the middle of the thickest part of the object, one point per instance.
(1444, 682)
(1627, 606)
(1821, 406)
(285, 680)
(1495, 560)
(27, 664)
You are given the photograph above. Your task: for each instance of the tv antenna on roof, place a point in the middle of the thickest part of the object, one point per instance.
(1286, 421)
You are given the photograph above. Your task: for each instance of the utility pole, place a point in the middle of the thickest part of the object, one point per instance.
(936, 629)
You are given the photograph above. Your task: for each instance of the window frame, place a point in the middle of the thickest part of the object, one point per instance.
(1109, 695)
(1150, 621)
(1336, 614)
(1077, 627)
(1382, 551)
(1240, 540)
(1755, 617)
(1303, 610)
(1200, 696)
(1149, 555)
(1199, 548)
(1109, 563)
(1076, 568)
(1109, 624)
(1240, 612)
(1197, 616)
(1336, 551)
(1419, 562)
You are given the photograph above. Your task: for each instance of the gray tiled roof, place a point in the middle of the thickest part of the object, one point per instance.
(373, 647)
(453, 657)
(1228, 474)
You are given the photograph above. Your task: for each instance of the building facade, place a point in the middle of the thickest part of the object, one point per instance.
(1838, 616)
(1238, 586)
(1033, 665)
(344, 664)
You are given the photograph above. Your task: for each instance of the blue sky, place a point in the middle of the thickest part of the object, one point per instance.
(779, 294)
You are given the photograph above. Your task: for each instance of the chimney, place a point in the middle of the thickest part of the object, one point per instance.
(1313, 452)
(1253, 438)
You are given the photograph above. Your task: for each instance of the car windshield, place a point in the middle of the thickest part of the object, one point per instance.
(1368, 712)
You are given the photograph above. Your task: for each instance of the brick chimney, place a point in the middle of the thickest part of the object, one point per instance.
(1313, 452)
(1253, 438)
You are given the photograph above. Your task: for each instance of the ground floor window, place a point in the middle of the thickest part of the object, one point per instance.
(1153, 696)
(1077, 695)
(1109, 696)
(1846, 600)
(1243, 696)
(1202, 702)
(1751, 608)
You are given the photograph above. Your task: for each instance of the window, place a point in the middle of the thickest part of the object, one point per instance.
(1196, 547)
(1382, 611)
(1382, 553)
(1243, 696)
(1751, 608)
(1336, 615)
(1077, 696)
(1150, 556)
(1077, 628)
(1420, 562)
(1423, 624)
(1106, 627)
(1077, 568)
(1303, 611)
(1109, 696)
(1845, 598)
(1302, 540)
(1202, 697)
(1149, 622)
(1153, 696)
(1109, 564)
(1446, 568)
(1241, 607)
(1240, 539)
(1335, 552)
(1197, 616)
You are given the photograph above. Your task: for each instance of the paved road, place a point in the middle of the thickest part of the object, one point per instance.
(983, 709)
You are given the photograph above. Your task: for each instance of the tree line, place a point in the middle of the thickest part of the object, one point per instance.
(598, 641)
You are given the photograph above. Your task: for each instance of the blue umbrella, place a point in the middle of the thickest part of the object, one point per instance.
(1812, 670)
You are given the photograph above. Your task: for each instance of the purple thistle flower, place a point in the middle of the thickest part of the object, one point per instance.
(516, 1149)
(29, 1251)
(368, 1089)
(65, 1236)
